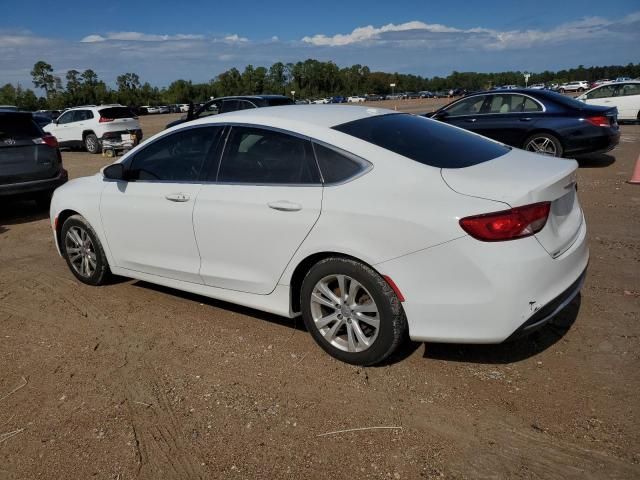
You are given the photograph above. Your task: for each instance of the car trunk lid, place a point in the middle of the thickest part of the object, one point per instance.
(522, 178)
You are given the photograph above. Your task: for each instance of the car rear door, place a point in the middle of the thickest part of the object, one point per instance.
(263, 199)
(24, 156)
(628, 101)
(148, 219)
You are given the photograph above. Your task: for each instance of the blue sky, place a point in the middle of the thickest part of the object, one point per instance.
(165, 40)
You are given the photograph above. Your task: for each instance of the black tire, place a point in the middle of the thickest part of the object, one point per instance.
(101, 272)
(91, 143)
(392, 327)
(43, 200)
(542, 136)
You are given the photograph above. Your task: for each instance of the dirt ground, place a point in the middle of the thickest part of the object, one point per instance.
(132, 380)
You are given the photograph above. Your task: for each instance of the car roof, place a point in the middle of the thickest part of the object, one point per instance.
(309, 115)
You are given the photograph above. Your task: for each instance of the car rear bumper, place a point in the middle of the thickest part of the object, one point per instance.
(34, 186)
(593, 144)
(467, 291)
(118, 133)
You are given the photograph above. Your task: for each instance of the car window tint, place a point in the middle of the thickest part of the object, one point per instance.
(337, 167)
(467, 106)
(177, 157)
(18, 126)
(424, 140)
(117, 112)
(229, 106)
(602, 92)
(259, 156)
(630, 89)
(531, 106)
(212, 109)
(245, 105)
(506, 103)
(66, 117)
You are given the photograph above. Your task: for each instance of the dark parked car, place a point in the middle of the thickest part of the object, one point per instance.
(231, 104)
(338, 99)
(536, 120)
(41, 119)
(374, 97)
(30, 162)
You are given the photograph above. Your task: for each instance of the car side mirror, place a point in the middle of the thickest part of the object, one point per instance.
(114, 171)
(190, 111)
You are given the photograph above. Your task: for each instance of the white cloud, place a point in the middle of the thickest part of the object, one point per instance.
(235, 38)
(437, 35)
(139, 37)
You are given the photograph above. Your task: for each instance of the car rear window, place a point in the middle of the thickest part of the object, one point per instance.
(424, 140)
(274, 102)
(117, 112)
(18, 126)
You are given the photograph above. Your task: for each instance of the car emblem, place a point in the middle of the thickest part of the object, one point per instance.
(9, 141)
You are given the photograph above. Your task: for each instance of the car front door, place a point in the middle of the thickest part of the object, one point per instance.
(62, 127)
(463, 113)
(509, 118)
(603, 95)
(263, 199)
(80, 123)
(148, 218)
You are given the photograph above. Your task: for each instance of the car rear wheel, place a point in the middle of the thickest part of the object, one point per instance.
(91, 143)
(351, 311)
(543, 143)
(83, 251)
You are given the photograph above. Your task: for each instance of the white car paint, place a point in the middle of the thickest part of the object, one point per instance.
(355, 99)
(400, 217)
(623, 95)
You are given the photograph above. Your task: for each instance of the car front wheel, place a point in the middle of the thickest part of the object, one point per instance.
(83, 251)
(351, 311)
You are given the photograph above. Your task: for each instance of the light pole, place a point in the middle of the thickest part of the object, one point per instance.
(526, 79)
(393, 86)
(293, 93)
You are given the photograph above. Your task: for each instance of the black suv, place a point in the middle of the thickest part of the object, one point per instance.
(30, 162)
(231, 104)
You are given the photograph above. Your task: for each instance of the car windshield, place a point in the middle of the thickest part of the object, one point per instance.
(424, 140)
(564, 100)
(117, 112)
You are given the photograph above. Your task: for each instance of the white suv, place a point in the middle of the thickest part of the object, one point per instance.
(579, 86)
(89, 125)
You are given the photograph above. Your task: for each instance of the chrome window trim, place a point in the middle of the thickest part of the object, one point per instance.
(544, 109)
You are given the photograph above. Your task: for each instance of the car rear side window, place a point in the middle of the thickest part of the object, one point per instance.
(261, 156)
(338, 167)
(18, 126)
(424, 140)
(116, 112)
(176, 157)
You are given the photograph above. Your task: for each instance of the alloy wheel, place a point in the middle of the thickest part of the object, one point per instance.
(345, 313)
(81, 251)
(542, 145)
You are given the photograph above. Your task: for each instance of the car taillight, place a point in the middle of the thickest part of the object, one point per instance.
(511, 224)
(598, 121)
(105, 120)
(47, 140)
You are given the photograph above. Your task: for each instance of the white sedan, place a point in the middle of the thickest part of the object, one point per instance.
(623, 95)
(371, 224)
(355, 99)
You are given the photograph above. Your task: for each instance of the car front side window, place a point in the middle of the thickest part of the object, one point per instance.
(466, 106)
(66, 117)
(261, 156)
(602, 92)
(176, 157)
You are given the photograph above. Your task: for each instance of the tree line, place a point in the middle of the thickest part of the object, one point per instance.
(309, 79)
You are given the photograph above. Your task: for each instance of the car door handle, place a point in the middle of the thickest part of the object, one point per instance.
(526, 119)
(285, 206)
(471, 120)
(177, 197)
